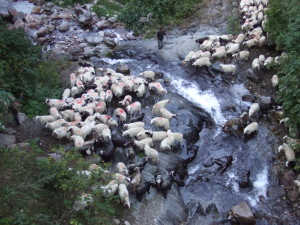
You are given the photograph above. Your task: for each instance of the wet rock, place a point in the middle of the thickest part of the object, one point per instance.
(265, 102)
(42, 40)
(122, 68)
(126, 223)
(22, 118)
(252, 76)
(110, 42)
(116, 221)
(19, 23)
(94, 40)
(112, 19)
(74, 52)
(292, 194)
(43, 31)
(19, 9)
(51, 28)
(109, 34)
(212, 208)
(102, 24)
(275, 192)
(244, 178)
(55, 156)
(288, 178)
(7, 140)
(65, 16)
(243, 214)
(249, 98)
(36, 10)
(9, 130)
(64, 27)
(86, 19)
(88, 51)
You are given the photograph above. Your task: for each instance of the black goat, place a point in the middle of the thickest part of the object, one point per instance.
(142, 189)
(137, 118)
(119, 141)
(166, 184)
(84, 115)
(109, 154)
(141, 165)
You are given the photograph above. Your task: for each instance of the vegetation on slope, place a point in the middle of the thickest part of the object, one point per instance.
(35, 189)
(283, 27)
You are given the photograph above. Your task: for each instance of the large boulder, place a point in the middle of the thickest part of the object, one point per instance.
(252, 76)
(86, 19)
(19, 9)
(102, 24)
(122, 68)
(7, 140)
(110, 42)
(243, 214)
(42, 32)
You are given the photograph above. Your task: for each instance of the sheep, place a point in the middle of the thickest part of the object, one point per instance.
(291, 141)
(166, 184)
(66, 94)
(86, 130)
(228, 68)
(55, 124)
(167, 143)
(177, 136)
(158, 135)
(265, 2)
(148, 75)
(137, 118)
(57, 103)
(106, 119)
(117, 90)
(136, 180)
(255, 64)
(189, 56)
(74, 91)
(100, 107)
(111, 188)
(61, 132)
(122, 169)
(141, 90)
(130, 154)
(79, 85)
(161, 104)
(268, 61)
(126, 101)
(254, 109)
(142, 189)
(242, 55)
(108, 155)
(134, 108)
(135, 124)
(152, 154)
(124, 195)
(274, 81)
(143, 134)
(74, 130)
(142, 143)
(206, 45)
(289, 154)
(106, 135)
(121, 179)
(232, 48)
(157, 88)
(196, 55)
(220, 53)
(83, 202)
(240, 38)
(78, 141)
(121, 114)
(43, 120)
(251, 43)
(54, 112)
(108, 96)
(252, 128)
(161, 122)
(202, 62)
(167, 114)
(132, 132)
(119, 141)
(72, 79)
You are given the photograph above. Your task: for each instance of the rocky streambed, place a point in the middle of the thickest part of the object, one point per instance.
(227, 169)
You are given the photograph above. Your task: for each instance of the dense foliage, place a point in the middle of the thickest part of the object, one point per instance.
(25, 73)
(284, 29)
(160, 12)
(36, 189)
(65, 3)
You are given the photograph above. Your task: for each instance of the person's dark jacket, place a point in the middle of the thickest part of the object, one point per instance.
(160, 35)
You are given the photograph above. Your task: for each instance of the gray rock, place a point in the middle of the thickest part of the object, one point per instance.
(243, 214)
(252, 76)
(265, 102)
(20, 145)
(116, 221)
(18, 23)
(43, 31)
(74, 52)
(102, 24)
(112, 19)
(86, 19)
(88, 51)
(122, 68)
(22, 117)
(19, 9)
(7, 140)
(109, 34)
(51, 28)
(9, 130)
(110, 42)
(64, 27)
(126, 223)
(55, 156)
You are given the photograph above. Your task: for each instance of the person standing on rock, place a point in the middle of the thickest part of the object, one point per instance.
(160, 37)
(14, 109)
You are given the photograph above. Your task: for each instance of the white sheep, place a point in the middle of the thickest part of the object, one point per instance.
(274, 80)
(141, 90)
(251, 43)
(202, 62)
(57, 103)
(251, 129)
(232, 48)
(99, 128)
(176, 135)
(141, 144)
(100, 107)
(126, 101)
(189, 56)
(121, 179)
(289, 153)
(167, 114)
(134, 108)
(106, 134)
(122, 169)
(157, 88)
(68, 115)
(132, 132)
(255, 64)
(143, 134)
(148, 75)
(254, 109)
(74, 91)
(78, 141)
(262, 41)
(228, 68)
(66, 94)
(136, 180)
(72, 79)
(61, 132)
(87, 130)
(167, 143)
(161, 104)
(121, 114)
(135, 124)
(124, 195)
(268, 61)
(161, 122)
(54, 112)
(117, 90)
(74, 130)
(152, 154)
(240, 38)
(108, 96)
(83, 202)
(242, 55)
(111, 188)
(43, 120)
(55, 124)
(159, 135)
(219, 53)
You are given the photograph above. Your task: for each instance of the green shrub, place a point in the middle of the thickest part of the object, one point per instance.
(234, 26)
(26, 73)
(66, 3)
(161, 12)
(36, 189)
(106, 8)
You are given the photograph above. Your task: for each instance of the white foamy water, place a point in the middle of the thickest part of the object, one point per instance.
(203, 99)
(260, 186)
(114, 61)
